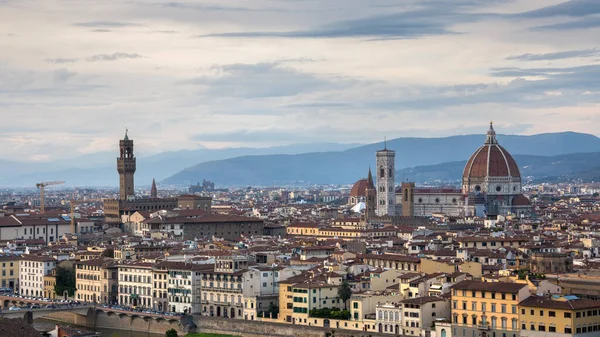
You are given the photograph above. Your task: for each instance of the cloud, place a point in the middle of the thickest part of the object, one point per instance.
(104, 24)
(555, 56)
(62, 75)
(434, 18)
(218, 8)
(61, 60)
(112, 57)
(262, 80)
(582, 23)
(573, 8)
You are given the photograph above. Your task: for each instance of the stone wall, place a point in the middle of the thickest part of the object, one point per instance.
(67, 317)
(204, 324)
(260, 329)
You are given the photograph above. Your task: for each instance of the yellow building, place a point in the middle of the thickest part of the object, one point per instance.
(486, 309)
(88, 280)
(9, 271)
(96, 281)
(49, 284)
(559, 316)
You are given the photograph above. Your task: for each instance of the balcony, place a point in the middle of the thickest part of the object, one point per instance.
(483, 326)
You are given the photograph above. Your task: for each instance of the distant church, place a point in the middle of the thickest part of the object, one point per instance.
(491, 185)
(128, 203)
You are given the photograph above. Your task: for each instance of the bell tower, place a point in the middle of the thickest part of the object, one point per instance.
(126, 168)
(386, 187)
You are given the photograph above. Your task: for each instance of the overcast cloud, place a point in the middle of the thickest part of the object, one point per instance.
(210, 73)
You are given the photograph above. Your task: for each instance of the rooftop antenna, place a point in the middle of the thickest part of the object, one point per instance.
(384, 142)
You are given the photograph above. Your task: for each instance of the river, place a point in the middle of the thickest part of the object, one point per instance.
(47, 325)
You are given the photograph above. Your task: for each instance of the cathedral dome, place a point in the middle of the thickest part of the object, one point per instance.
(359, 188)
(491, 160)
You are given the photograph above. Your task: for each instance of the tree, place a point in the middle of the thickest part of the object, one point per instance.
(171, 333)
(344, 292)
(65, 281)
(596, 195)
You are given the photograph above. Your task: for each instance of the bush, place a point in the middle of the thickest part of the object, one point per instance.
(332, 313)
(171, 333)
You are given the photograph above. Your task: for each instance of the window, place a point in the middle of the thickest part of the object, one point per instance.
(514, 309)
(473, 294)
(567, 315)
(355, 305)
(474, 306)
(541, 312)
(503, 296)
(541, 327)
(552, 328)
(493, 307)
(483, 307)
(493, 295)
(503, 308)
(552, 313)
(522, 311)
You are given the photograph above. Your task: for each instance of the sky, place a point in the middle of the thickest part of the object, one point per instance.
(74, 74)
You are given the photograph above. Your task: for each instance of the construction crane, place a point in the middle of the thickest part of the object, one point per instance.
(41, 187)
(74, 203)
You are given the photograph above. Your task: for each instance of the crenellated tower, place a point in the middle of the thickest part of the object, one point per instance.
(126, 166)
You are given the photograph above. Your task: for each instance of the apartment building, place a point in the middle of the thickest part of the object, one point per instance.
(9, 271)
(32, 269)
(393, 261)
(160, 286)
(50, 284)
(486, 309)
(559, 316)
(135, 284)
(221, 287)
(261, 289)
(419, 314)
(365, 305)
(184, 286)
(96, 280)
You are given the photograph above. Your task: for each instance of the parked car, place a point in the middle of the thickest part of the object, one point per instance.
(14, 308)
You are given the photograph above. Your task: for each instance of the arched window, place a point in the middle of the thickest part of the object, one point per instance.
(443, 333)
(381, 172)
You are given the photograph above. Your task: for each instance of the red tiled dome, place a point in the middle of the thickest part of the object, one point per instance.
(491, 160)
(359, 188)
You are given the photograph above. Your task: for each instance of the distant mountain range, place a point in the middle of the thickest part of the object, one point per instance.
(584, 166)
(433, 159)
(99, 169)
(421, 159)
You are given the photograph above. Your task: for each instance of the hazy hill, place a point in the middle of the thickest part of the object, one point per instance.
(99, 169)
(584, 166)
(351, 165)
